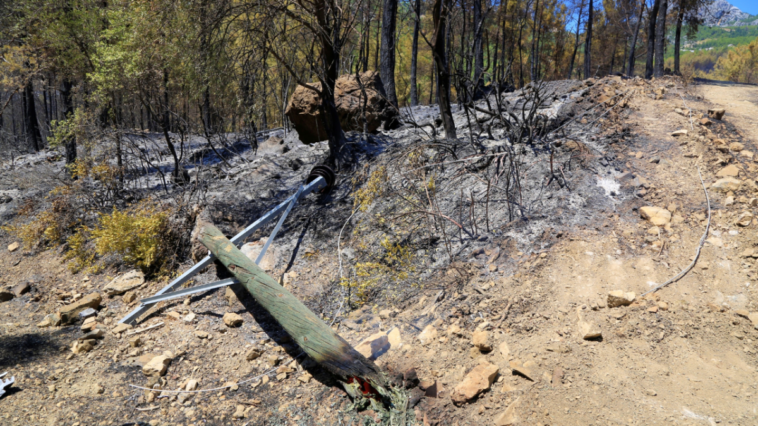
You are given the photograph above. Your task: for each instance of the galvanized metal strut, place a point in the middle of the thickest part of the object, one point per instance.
(321, 179)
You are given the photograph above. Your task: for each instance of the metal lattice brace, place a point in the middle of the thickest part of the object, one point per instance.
(321, 179)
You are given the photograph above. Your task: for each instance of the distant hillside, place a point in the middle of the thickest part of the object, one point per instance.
(709, 38)
(723, 14)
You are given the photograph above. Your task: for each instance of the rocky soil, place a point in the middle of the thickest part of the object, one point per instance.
(532, 316)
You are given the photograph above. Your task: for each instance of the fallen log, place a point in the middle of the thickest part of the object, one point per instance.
(315, 337)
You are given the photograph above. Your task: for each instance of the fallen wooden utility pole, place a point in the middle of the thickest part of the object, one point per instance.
(314, 336)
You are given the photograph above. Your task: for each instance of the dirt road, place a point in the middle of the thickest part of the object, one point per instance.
(740, 100)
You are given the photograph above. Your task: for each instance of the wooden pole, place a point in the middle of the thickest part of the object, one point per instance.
(315, 337)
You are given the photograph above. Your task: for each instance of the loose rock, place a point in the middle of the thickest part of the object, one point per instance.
(13, 247)
(123, 283)
(374, 346)
(232, 320)
(50, 320)
(509, 416)
(253, 250)
(82, 346)
(524, 369)
(21, 289)
(656, 215)
(157, 366)
(618, 298)
(305, 112)
(428, 335)
(745, 219)
(729, 171)
(253, 354)
(480, 339)
(589, 330)
(716, 114)
(70, 312)
(753, 317)
(726, 184)
(239, 412)
(476, 381)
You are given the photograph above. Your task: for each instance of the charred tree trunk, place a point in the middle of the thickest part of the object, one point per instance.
(414, 51)
(166, 123)
(588, 43)
(478, 50)
(533, 50)
(576, 41)
(33, 135)
(440, 15)
(632, 57)
(68, 112)
(678, 38)
(387, 65)
(652, 17)
(660, 39)
(328, 19)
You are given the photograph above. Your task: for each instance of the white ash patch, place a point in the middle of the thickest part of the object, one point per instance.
(610, 185)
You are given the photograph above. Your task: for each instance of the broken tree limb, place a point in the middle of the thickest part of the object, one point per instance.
(315, 337)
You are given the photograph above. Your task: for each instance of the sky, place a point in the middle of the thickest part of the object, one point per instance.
(747, 6)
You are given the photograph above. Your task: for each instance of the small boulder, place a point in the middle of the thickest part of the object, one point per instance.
(191, 385)
(50, 320)
(374, 346)
(480, 339)
(253, 250)
(526, 369)
(239, 412)
(618, 298)
(476, 381)
(13, 246)
(70, 312)
(505, 351)
(736, 147)
(306, 114)
(589, 330)
(124, 283)
(716, 113)
(156, 366)
(726, 184)
(753, 317)
(253, 354)
(509, 417)
(656, 215)
(129, 297)
(745, 219)
(428, 335)
(232, 320)
(395, 338)
(729, 171)
(21, 289)
(120, 328)
(82, 346)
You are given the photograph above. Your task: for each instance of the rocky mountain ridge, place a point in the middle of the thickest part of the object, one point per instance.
(723, 14)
